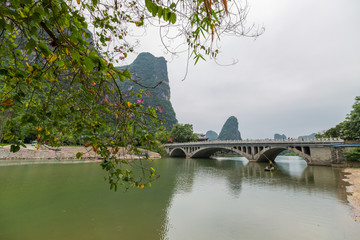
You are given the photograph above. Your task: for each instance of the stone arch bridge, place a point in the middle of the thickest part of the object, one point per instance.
(313, 151)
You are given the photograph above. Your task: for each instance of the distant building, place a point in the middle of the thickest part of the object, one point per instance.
(201, 137)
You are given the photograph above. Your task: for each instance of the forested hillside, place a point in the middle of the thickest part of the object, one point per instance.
(150, 73)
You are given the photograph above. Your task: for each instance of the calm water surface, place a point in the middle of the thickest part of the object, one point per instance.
(224, 198)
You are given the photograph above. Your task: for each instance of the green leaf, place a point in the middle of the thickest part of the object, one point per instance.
(154, 11)
(149, 4)
(14, 148)
(122, 77)
(173, 18)
(127, 74)
(172, 5)
(60, 63)
(30, 44)
(160, 12)
(89, 65)
(165, 14)
(79, 155)
(76, 55)
(45, 50)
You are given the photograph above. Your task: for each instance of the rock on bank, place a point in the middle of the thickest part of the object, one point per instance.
(354, 189)
(65, 153)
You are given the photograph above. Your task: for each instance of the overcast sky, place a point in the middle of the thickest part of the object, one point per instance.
(301, 76)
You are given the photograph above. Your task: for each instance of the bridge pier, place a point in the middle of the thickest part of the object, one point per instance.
(326, 155)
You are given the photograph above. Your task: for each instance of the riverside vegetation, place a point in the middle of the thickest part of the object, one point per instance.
(349, 130)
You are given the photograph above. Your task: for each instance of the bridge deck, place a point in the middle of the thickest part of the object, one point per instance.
(324, 151)
(287, 142)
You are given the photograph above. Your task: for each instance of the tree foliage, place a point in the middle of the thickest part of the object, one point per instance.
(183, 133)
(352, 154)
(348, 129)
(163, 136)
(58, 78)
(332, 132)
(351, 126)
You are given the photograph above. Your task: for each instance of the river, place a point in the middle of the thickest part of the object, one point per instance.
(223, 198)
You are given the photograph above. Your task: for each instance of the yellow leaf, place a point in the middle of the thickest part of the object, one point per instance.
(129, 104)
(38, 128)
(26, 104)
(115, 150)
(78, 1)
(38, 137)
(27, 80)
(94, 148)
(55, 138)
(30, 68)
(52, 58)
(8, 102)
(38, 146)
(53, 79)
(142, 186)
(67, 51)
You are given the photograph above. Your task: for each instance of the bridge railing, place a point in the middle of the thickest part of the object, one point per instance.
(268, 141)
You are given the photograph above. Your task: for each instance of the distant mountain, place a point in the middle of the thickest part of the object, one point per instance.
(150, 73)
(230, 130)
(278, 136)
(308, 136)
(211, 135)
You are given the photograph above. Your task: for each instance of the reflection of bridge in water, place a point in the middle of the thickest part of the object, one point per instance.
(240, 172)
(313, 151)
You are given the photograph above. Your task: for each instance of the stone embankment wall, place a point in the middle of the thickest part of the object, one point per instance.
(62, 153)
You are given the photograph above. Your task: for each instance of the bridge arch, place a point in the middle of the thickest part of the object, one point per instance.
(269, 154)
(178, 152)
(206, 152)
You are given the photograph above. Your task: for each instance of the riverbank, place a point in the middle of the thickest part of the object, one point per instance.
(354, 189)
(66, 152)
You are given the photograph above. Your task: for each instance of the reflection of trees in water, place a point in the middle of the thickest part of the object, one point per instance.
(185, 178)
(216, 169)
(296, 177)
